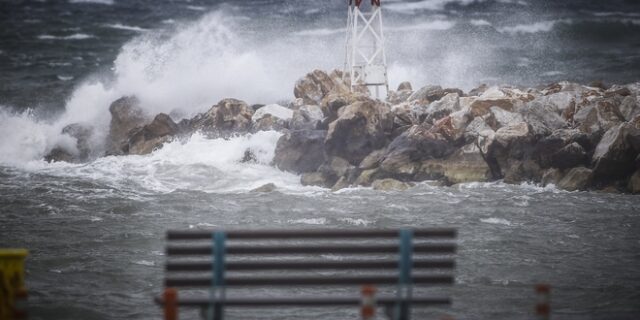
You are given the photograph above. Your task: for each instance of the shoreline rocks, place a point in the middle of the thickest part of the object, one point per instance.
(575, 136)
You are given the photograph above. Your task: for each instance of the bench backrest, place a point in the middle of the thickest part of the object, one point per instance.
(220, 261)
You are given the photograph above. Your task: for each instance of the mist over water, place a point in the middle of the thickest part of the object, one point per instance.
(95, 229)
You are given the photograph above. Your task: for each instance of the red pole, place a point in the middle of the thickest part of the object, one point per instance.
(543, 310)
(368, 308)
(170, 304)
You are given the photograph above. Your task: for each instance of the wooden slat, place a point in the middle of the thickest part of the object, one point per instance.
(433, 263)
(309, 234)
(307, 301)
(306, 280)
(440, 248)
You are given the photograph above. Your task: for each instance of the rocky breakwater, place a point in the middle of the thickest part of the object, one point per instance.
(577, 137)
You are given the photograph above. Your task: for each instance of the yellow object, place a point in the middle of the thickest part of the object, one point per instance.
(11, 279)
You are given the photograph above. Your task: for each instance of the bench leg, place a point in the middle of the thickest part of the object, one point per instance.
(170, 304)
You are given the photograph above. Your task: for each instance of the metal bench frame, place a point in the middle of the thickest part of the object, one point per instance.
(435, 248)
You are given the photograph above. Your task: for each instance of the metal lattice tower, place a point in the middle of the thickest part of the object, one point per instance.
(366, 59)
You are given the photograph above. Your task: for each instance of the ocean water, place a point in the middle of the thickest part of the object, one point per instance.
(95, 230)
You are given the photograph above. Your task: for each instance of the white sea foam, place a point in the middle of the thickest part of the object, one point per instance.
(493, 220)
(75, 36)
(311, 221)
(542, 26)
(411, 7)
(208, 165)
(480, 22)
(105, 2)
(120, 26)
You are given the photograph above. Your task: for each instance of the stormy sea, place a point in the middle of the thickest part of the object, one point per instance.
(95, 230)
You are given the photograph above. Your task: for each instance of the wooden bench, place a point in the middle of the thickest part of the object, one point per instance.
(217, 269)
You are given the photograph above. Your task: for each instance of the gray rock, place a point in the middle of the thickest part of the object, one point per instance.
(271, 117)
(300, 151)
(576, 179)
(126, 115)
(428, 94)
(229, 116)
(405, 86)
(269, 187)
(634, 183)
(307, 117)
(552, 176)
(152, 136)
(629, 108)
(390, 185)
(542, 118)
(315, 179)
(569, 156)
(614, 157)
(372, 160)
(360, 128)
(313, 87)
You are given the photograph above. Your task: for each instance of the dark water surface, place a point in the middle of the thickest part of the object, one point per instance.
(96, 251)
(96, 230)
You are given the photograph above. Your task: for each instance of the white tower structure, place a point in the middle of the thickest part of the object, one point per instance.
(366, 59)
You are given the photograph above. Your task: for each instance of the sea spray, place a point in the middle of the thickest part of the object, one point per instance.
(199, 164)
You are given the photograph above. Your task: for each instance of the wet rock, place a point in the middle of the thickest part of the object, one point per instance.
(249, 157)
(598, 116)
(523, 171)
(360, 128)
(307, 117)
(126, 115)
(372, 160)
(313, 87)
(269, 187)
(629, 108)
(229, 116)
(83, 133)
(467, 164)
(576, 179)
(492, 97)
(390, 185)
(271, 117)
(558, 102)
(315, 179)
(300, 151)
(634, 183)
(498, 118)
(441, 108)
(569, 156)
(152, 136)
(335, 168)
(475, 127)
(59, 154)
(427, 94)
(614, 157)
(552, 176)
(542, 118)
(340, 184)
(547, 147)
(367, 177)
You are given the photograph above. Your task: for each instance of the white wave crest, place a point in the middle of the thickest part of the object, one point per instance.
(105, 2)
(75, 36)
(542, 26)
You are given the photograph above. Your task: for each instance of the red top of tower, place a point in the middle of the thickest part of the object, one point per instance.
(358, 2)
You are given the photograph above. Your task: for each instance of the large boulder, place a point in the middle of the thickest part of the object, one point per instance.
(83, 133)
(152, 136)
(401, 95)
(313, 87)
(271, 117)
(427, 94)
(126, 115)
(629, 107)
(503, 98)
(569, 156)
(542, 118)
(547, 150)
(228, 117)
(404, 154)
(614, 157)
(360, 128)
(598, 116)
(576, 179)
(307, 117)
(300, 151)
(443, 107)
(466, 164)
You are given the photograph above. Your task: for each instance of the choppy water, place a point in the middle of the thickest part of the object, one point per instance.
(96, 230)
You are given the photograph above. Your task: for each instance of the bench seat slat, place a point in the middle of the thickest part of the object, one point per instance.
(306, 280)
(433, 263)
(441, 248)
(307, 301)
(308, 234)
